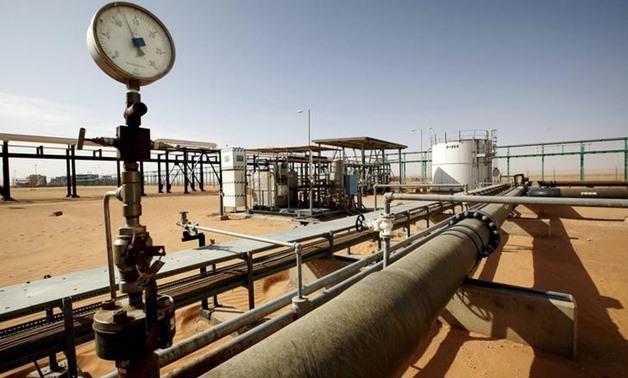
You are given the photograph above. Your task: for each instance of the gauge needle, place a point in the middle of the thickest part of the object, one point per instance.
(137, 41)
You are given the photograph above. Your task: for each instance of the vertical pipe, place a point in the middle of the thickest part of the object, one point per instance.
(68, 173)
(119, 178)
(386, 250)
(581, 161)
(299, 272)
(220, 189)
(6, 184)
(109, 244)
(142, 192)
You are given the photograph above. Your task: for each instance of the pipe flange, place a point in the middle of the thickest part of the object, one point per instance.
(489, 222)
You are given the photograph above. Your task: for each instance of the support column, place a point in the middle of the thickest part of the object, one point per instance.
(73, 163)
(68, 173)
(201, 183)
(160, 186)
(543, 162)
(6, 184)
(168, 186)
(186, 181)
(401, 176)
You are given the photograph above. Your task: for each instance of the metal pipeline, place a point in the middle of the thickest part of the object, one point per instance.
(374, 328)
(584, 183)
(587, 202)
(463, 187)
(227, 350)
(598, 192)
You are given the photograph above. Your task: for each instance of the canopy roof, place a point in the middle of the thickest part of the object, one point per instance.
(362, 143)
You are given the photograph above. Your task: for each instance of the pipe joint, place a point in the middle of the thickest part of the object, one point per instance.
(489, 223)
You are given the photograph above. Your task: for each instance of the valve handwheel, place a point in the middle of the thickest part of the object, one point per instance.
(360, 223)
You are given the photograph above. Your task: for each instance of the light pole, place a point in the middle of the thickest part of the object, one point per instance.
(310, 165)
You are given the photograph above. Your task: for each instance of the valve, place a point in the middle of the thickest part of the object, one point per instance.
(383, 224)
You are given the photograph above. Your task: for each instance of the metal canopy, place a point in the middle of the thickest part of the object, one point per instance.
(362, 143)
(279, 150)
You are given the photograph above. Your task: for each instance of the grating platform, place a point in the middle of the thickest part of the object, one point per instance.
(35, 296)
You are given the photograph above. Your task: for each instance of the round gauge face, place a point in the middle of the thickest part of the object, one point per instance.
(130, 44)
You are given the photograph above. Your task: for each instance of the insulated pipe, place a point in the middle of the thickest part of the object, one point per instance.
(621, 203)
(584, 183)
(194, 227)
(375, 327)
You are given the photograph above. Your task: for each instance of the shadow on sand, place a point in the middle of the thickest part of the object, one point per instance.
(602, 351)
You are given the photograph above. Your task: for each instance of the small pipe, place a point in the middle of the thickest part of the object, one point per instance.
(193, 227)
(297, 251)
(108, 242)
(386, 250)
(413, 186)
(587, 202)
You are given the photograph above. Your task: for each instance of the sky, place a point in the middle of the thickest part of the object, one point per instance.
(537, 71)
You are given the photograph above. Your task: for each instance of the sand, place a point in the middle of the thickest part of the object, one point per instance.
(586, 257)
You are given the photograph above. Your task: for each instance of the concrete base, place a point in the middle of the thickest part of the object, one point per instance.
(541, 319)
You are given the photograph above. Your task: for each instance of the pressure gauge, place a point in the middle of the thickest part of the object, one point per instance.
(130, 44)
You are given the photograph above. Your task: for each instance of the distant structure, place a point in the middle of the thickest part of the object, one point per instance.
(464, 160)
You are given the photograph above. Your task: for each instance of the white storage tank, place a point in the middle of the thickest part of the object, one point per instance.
(467, 161)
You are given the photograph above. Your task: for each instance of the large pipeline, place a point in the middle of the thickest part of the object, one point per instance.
(375, 327)
(597, 192)
(590, 183)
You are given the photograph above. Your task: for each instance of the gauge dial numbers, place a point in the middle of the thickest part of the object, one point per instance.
(130, 44)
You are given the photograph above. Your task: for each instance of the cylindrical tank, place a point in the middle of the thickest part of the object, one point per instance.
(462, 162)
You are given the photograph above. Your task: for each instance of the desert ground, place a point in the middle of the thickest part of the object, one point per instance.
(586, 256)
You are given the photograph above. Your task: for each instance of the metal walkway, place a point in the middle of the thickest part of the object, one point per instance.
(37, 296)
